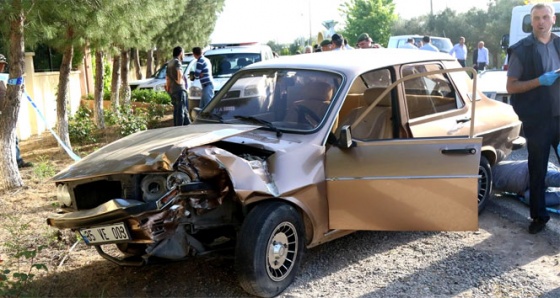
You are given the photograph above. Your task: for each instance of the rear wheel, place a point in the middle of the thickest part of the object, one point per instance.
(269, 249)
(484, 183)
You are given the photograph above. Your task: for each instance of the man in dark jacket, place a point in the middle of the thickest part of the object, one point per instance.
(535, 90)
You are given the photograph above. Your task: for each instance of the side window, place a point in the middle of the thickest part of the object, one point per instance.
(429, 94)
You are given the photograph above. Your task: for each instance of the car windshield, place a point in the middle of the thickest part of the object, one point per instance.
(225, 65)
(295, 100)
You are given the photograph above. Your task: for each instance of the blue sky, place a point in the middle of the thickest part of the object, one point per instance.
(283, 21)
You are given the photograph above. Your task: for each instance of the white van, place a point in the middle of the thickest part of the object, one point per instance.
(442, 43)
(226, 59)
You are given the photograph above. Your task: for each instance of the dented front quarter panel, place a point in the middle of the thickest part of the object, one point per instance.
(295, 172)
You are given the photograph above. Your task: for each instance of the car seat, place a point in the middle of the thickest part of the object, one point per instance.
(377, 123)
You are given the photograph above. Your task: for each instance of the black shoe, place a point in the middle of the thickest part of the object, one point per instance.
(24, 164)
(537, 225)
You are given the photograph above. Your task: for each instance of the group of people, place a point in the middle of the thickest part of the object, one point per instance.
(337, 42)
(459, 50)
(3, 88)
(480, 60)
(176, 83)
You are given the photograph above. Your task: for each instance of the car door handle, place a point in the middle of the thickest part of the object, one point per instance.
(463, 120)
(459, 151)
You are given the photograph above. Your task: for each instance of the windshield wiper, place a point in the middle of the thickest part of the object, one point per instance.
(261, 122)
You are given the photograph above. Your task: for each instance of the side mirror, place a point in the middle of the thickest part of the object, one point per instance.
(345, 138)
(504, 43)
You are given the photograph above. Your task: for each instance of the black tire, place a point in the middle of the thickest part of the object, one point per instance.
(484, 183)
(269, 249)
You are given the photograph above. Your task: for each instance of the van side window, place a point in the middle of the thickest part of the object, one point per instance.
(429, 94)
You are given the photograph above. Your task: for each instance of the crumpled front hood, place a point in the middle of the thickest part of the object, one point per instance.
(149, 150)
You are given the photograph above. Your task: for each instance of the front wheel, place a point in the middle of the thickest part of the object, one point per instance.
(484, 183)
(269, 249)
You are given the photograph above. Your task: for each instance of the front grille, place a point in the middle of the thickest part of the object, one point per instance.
(233, 94)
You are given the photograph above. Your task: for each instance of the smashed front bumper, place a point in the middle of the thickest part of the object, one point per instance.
(147, 222)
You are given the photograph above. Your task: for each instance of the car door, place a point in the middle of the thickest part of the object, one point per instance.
(427, 183)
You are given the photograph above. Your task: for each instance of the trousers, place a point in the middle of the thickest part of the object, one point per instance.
(541, 135)
(180, 108)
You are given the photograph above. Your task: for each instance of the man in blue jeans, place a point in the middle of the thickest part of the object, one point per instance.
(204, 73)
(175, 86)
(513, 177)
(20, 162)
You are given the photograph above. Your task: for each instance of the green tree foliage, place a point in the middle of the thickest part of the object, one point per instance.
(193, 28)
(276, 47)
(375, 17)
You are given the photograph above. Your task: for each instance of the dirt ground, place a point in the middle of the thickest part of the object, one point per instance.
(75, 269)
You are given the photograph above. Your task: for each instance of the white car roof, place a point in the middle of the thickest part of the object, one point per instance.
(352, 61)
(252, 49)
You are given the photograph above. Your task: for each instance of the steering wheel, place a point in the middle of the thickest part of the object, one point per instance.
(306, 115)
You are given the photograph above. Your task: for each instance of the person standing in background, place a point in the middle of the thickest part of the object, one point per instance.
(535, 97)
(480, 57)
(427, 44)
(326, 45)
(364, 41)
(337, 42)
(459, 50)
(409, 44)
(204, 73)
(175, 86)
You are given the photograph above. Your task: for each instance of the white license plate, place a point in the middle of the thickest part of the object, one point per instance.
(105, 234)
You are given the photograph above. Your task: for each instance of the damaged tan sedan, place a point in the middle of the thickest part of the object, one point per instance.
(292, 153)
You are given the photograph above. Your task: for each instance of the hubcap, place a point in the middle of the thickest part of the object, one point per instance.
(282, 251)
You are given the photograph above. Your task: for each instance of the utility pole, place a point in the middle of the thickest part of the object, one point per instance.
(431, 7)
(310, 36)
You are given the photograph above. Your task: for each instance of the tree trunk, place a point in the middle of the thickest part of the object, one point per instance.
(98, 90)
(159, 59)
(62, 96)
(150, 64)
(9, 106)
(125, 88)
(115, 81)
(136, 57)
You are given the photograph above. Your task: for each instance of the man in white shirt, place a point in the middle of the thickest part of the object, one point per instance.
(480, 57)
(460, 51)
(428, 44)
(409, 44)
